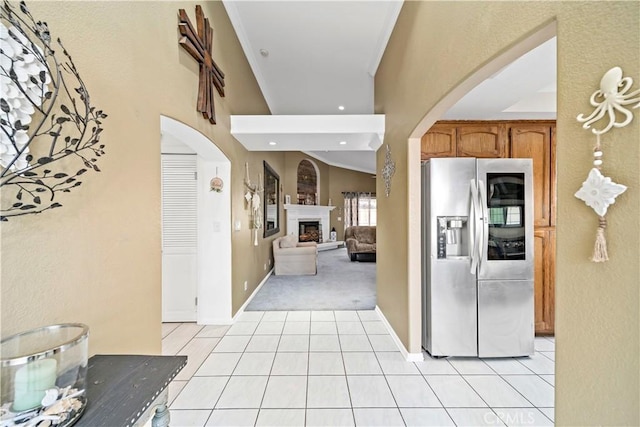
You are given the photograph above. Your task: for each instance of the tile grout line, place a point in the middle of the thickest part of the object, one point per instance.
(435, 394)
(384, 375)
(476, 392)
(368, 336)
(233, 370)
(509, 384)
(525, 397)
(344, 366)
(189, 340)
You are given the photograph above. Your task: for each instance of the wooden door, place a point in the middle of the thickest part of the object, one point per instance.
(482, 141)
(439, 141)
(544, 280)
(534, 142)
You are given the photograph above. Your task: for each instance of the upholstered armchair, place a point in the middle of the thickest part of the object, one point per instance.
(361, 242)
(291, 257)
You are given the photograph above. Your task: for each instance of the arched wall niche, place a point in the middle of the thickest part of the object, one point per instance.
(308, 183)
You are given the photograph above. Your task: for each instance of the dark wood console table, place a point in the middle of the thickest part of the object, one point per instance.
(126, 390)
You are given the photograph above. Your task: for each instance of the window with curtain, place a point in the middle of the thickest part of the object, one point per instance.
(359, 209)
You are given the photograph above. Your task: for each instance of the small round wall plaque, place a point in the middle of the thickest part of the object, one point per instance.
(216, 184)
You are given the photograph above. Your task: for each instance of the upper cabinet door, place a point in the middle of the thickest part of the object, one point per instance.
(481, 141)
(439, 141)
(534, 142)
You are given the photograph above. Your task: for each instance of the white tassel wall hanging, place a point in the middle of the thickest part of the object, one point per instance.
(599, 191)
(253, 201)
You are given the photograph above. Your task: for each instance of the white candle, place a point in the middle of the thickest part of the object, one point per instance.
(31, 383)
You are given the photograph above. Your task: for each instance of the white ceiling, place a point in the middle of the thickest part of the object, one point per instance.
(524, 89)
(321, 54)
(362, 132)
(324, 54)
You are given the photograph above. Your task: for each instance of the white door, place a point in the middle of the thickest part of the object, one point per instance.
(179, 237)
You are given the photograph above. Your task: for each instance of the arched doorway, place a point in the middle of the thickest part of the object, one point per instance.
(414, 172)
(213, 223)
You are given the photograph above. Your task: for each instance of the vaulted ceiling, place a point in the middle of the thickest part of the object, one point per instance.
(319, 59)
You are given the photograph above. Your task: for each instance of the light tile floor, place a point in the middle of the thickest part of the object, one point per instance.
(342, 368)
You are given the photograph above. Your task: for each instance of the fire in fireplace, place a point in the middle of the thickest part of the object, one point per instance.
(310, 231)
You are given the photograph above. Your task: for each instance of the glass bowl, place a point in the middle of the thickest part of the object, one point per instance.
(43, 374)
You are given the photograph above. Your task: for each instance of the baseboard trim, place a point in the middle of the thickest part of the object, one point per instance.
(410, 357)
(253, 294)
(215, 321)
(179, 317)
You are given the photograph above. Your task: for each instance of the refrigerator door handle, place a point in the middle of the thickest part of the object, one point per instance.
(484, 224)
(473, 227)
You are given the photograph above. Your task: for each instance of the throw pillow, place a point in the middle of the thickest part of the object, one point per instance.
(290, 241)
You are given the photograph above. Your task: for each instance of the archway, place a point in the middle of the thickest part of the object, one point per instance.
(414, 173)
(213, 220)
(308, 183)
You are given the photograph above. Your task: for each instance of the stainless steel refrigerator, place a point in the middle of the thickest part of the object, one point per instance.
(477, 269)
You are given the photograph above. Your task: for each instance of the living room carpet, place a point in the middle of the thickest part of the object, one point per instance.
(339, 285)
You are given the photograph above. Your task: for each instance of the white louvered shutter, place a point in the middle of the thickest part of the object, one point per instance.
(179, 201)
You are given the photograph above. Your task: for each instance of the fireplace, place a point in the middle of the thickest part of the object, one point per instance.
(303, 214)
(309, 231)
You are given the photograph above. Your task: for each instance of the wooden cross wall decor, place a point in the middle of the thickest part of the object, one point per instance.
(199, 47)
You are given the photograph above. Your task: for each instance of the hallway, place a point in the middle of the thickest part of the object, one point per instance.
(332, 368)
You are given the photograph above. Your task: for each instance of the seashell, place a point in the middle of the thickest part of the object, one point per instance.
(50, 397)
(66, 391)
(75, 404)
(56, 408)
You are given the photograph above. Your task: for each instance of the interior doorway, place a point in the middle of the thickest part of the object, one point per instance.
(414, 167)
(212, 218)
(179, 233)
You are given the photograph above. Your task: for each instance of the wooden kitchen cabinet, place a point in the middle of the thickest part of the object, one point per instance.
(440, 141)
(534, 141)
(544, 280)
(485, 141)
(464, 140)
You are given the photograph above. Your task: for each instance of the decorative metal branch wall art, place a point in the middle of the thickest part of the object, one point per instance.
(49, 132)
(199, 45)
(388, 170)
(599, 191)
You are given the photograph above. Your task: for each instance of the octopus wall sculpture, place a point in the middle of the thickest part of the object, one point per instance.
(599, 191)
(611, 98)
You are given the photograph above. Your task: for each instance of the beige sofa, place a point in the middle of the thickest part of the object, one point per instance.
(361, 242)
(291, 257)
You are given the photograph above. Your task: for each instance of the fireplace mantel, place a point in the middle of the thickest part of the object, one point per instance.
(296, 213)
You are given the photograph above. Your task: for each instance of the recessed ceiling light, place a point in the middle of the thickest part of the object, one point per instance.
(264, 52)
(272, 143)
(340, 107)
(343, 142)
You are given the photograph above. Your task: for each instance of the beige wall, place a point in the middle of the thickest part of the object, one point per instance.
(333, 181)
(97, 259)
(251, 263)
(436, 46)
